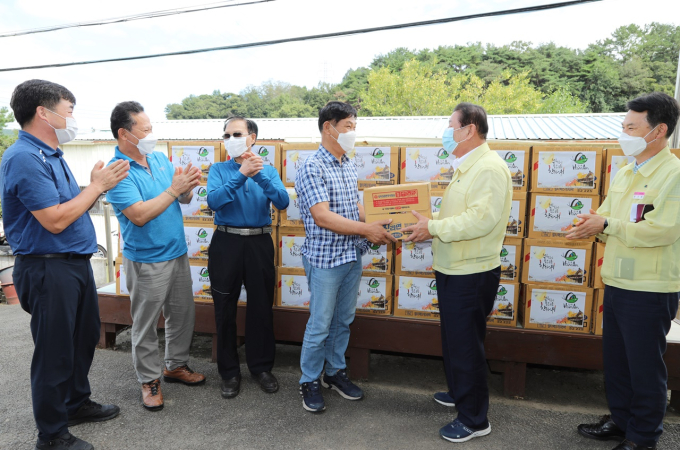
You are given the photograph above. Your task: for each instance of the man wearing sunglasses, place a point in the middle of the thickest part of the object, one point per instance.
(240, 192)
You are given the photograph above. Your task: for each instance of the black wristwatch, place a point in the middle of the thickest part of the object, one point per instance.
(606, 224)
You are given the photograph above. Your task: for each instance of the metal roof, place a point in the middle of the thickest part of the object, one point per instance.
(398, 129)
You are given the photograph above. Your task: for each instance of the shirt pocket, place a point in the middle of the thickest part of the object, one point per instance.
(455, 201)
(637, 263)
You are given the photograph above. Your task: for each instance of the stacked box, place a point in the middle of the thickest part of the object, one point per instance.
(436, 196)
(554, 215)
(292, 158)
(397, 203)
(554, 261)
(414, 258)
(198, 238)
(557, 308)
(121, 279)
(378, 259)
(598, 259)
(197, 210)
(511, 259)
(200, 282)
(598, 313)
(292, 289)
(518, 215)
(563, 169)
(432, 165)
(504, 313)
(375, 294)
(616, 161)
(376, 166)
(517, 156)
(201, 154)
(416, 297)
(290, 217)
(290, 243)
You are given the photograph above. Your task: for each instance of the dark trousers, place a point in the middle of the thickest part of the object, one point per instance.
(634, 341)
(464, 303)
(248, 260)
(61, 297)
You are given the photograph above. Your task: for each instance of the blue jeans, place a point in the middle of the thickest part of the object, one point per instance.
(331, 311)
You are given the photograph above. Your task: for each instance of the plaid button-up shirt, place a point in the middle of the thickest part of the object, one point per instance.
(322, 178)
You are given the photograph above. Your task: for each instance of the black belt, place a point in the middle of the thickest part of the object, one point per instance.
(244, 231)
(59, 256)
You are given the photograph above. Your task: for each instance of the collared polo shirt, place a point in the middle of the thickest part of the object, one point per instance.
(35, 176)
(322, 178)
(160, 239)
(644, 255)
(240, 201)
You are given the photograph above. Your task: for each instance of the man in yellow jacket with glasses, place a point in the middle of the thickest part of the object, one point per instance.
(467, 236)
(640, 223)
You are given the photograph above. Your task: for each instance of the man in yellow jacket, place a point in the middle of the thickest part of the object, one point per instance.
(467, 236)
(640, 223)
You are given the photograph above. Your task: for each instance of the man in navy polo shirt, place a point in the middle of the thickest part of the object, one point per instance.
(52, 236)
(155, 254)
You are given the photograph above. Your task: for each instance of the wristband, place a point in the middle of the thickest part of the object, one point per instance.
(169, 192)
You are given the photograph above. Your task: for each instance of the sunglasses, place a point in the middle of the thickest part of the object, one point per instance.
(236, 135)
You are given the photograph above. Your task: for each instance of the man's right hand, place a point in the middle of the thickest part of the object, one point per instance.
(252, 165)
(185, 180)
(377, 234)
(108, 177)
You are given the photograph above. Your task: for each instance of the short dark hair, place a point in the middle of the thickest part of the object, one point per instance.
(660, 107)
(33, 93)
(121, 116)
(250, 124)
(473, 114)
(335, 112)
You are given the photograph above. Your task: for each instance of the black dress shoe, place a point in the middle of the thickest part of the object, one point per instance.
(630, 445)
(66, 441)
(604, 430)
(267, 382)
(93, 412)
(231, 387)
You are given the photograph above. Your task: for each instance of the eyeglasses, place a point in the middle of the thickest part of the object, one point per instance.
(236, 135)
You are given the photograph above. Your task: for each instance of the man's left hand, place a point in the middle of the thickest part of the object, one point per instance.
(588, 225)
(419, 231)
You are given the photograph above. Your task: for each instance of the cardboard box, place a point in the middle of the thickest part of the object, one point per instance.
(243, 296)
(511, 259)
(290, 242)
(292, 289)
(292, 158)
(504, 313)
(274, 215)
(121, 279)
(198, 238)
(200, 282)
(554, 215)
(566, 169)
(376, 166)
(201, 154)
(598, 259)
(518, 215)
(375, 295)
(598, 312)
(556, 308)
(396, 203)
(436, 196)
(426, 164)
(676, 152)
(378, 259)
(197, 210)
(616, 161)
(416, 297)
(290, 217)
(414, 258)
(516, 156)
(557, 261)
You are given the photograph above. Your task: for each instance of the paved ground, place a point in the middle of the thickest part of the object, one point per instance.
(397, 413)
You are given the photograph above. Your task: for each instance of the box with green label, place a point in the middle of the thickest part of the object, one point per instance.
(557, 308)
(504, 313)
(554, 215)
(557, 261)
(566, 169)
(511, 259)
(375, 294)
(416, 297)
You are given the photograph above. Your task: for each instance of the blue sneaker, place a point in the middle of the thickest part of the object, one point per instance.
(312, 399)
(457, 432)
(443, 398)
(340, 382)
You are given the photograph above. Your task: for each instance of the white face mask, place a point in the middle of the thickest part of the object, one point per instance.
(346, 140)
(147, 145)
(634, 145)
(236, 146)
(67, 134)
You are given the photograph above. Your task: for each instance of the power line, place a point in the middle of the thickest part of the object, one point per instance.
(141, 16)
(317, 36)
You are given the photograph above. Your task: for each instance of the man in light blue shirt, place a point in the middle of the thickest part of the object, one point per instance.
(155, 254)
(241, 191)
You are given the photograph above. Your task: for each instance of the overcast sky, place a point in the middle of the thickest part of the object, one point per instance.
(157, 82)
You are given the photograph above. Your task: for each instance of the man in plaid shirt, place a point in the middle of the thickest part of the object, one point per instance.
(336, 237)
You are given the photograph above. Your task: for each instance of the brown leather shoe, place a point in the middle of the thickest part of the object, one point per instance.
(152, 397)
(183, 374)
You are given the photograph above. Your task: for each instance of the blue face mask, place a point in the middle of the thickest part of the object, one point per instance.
(447, 139)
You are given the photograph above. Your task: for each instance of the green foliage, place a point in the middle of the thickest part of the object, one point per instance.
(516, 78)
